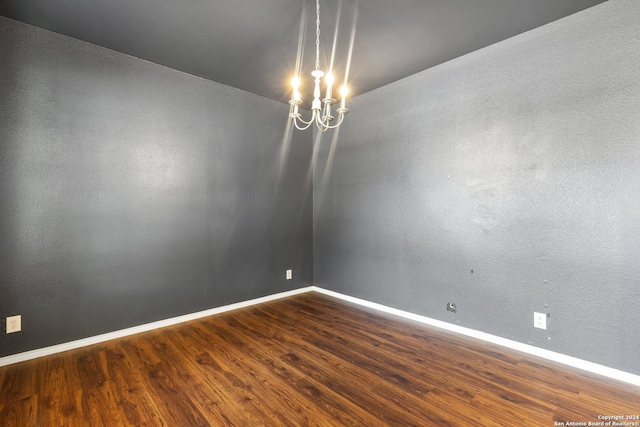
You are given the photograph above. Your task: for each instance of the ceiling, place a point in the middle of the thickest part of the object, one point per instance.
(253, 44)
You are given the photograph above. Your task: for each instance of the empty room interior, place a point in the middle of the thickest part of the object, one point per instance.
(452, 240)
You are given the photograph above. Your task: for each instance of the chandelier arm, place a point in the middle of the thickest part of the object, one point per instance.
(322, 127)
(340, 119)
(307, 124)
(299, 118)
(320, 124)
(295, 123)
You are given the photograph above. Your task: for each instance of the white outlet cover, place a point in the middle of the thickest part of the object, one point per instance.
(14, 324)
(540, 320)
(289, 274)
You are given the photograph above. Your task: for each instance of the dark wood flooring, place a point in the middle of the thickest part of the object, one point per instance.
(308, 360)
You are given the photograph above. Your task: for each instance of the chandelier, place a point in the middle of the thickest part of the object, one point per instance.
(321, 113)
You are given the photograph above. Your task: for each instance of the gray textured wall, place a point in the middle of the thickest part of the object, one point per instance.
(131, 193)
(506, 181)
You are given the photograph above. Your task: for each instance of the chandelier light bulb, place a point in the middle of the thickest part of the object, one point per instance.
(328, 79)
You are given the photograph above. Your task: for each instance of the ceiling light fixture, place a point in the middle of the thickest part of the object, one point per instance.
(320, 111)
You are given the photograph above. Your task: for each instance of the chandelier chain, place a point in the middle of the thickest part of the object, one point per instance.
(317, 34)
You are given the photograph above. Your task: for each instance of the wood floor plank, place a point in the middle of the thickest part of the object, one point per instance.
(319, 402)
(56, 402)
(189, 372)
(484, 361)
(20, 383)
(217, 370)
(356, 348)
(316, 394)
(308, 360)
(401, 388)
(3, 374)
(172, 401)
(132, 397)
(347, 377)
(406, 403)
(422, 350)
(94, 395)
(20, 413)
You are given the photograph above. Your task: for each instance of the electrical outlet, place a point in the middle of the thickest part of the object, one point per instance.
(14, 324)
(540, 320)
(289, 274)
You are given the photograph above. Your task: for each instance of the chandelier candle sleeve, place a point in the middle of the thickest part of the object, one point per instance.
(295, 82)
(296, 100)
(329, 81)
(344, 90)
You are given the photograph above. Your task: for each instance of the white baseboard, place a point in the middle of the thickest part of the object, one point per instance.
(46, 351)
(514, 345)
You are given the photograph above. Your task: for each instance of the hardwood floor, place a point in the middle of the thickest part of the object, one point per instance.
(307, 360)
